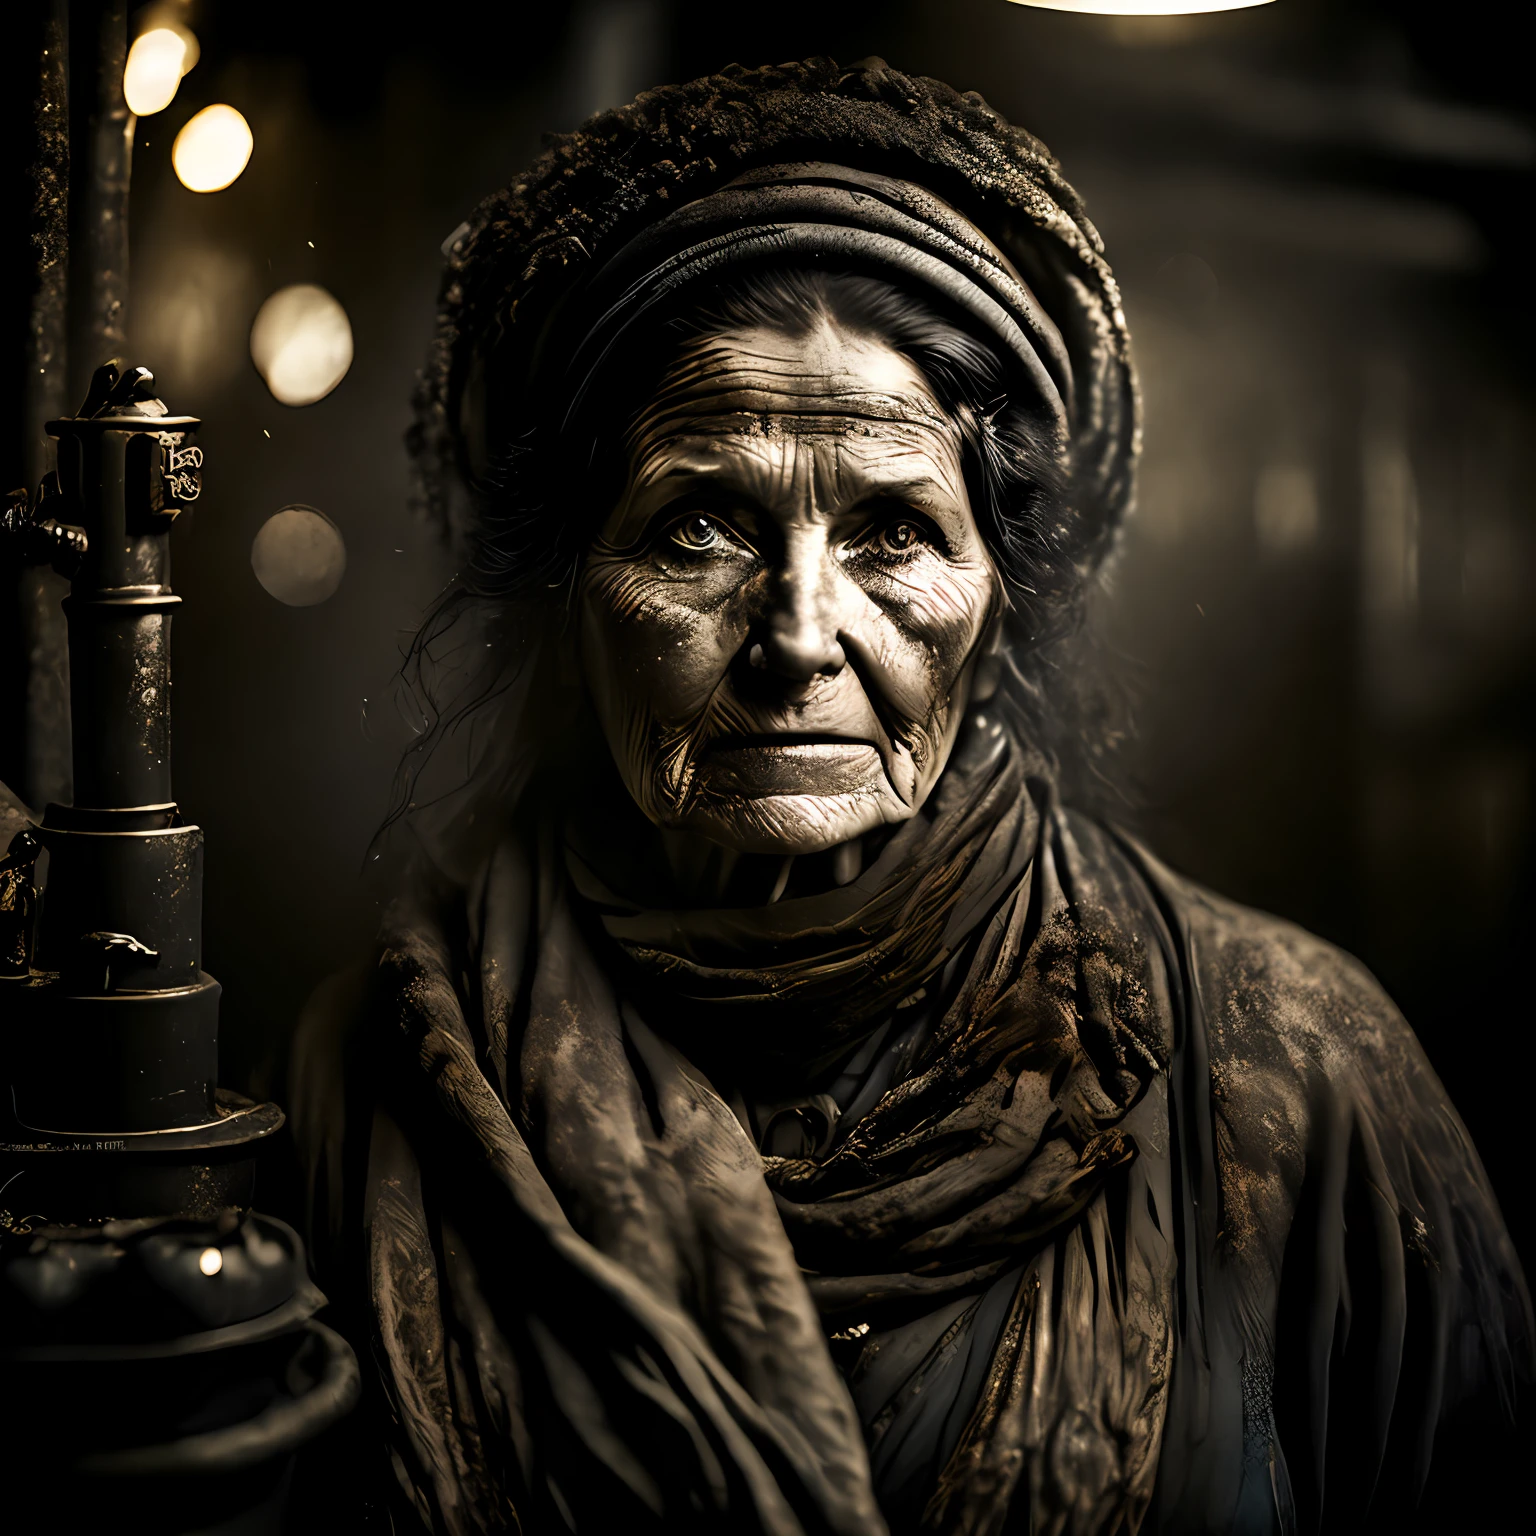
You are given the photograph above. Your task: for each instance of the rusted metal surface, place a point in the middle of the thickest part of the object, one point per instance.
(46, 392)
(77, 318)
(35, 761)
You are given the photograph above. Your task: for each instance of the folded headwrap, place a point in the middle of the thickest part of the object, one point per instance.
(840, 219)
(862, 168)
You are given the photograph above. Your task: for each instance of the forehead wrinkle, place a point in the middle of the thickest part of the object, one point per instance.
(824, 352)
(815, 421)
(800, 404)
(841, 469)
(823, 372)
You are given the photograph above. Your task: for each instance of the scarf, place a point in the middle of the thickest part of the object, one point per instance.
(1069, 1240)
(601, 1306)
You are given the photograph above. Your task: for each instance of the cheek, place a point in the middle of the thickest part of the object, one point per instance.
(932, 616)
(655, 641)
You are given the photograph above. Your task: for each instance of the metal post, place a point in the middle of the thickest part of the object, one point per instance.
(159, 1334)
(34, 695)
(101, 128)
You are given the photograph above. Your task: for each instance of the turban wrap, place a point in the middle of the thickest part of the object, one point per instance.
(860, 169)
(840, 218)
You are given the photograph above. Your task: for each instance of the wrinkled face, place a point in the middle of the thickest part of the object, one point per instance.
(782, 617)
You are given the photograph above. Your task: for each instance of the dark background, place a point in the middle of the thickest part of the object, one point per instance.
(1324, 600)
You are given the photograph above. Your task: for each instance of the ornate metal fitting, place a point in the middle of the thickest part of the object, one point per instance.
(181, 468)
(100, 957)
(162, 470)
(31, 534)
(18, 903)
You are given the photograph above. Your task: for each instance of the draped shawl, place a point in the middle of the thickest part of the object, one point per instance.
(1071, 1242)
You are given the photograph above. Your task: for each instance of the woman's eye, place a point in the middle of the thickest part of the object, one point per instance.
(696, 532)
(899, 538)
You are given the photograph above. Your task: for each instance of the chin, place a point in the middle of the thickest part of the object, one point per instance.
(789, 825)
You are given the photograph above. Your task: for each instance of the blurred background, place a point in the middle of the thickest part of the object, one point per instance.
(1324, 602)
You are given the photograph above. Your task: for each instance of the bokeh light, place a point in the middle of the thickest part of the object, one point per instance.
(301, 343)
(189, 42)
(156, 63)
(212, 149)
(299, 556)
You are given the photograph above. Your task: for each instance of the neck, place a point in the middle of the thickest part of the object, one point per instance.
(704, 874)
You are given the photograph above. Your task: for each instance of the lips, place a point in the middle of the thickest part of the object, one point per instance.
(790, 764)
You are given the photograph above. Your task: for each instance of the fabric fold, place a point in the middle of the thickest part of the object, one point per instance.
(1155, 1218)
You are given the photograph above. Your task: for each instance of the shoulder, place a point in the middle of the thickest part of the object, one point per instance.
(1329, 1123)
(1273, 999)
(1307, 1062)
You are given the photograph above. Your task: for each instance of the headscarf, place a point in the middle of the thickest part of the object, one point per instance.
(832, 217)
(863, 168)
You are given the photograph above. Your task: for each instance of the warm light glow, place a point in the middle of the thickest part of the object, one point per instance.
(301, 344)
(299, 556)
(1142, 7)
(189, 42)
(210, 1261)
(156, 63)
(212, 150)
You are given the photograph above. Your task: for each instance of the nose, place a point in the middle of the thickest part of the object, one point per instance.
(800, 639)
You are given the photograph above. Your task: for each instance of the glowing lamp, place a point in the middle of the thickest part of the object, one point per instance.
(212, 149)
(156, 63)
(299, 556)
(1142, 7)
(301, 344)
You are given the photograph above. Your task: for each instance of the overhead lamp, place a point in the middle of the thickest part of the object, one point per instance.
(1142, 7)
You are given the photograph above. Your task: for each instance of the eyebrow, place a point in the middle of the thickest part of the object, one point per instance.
(905, 490)
(732, 477)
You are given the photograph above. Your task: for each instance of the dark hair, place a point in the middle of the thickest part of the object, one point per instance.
(527, 528)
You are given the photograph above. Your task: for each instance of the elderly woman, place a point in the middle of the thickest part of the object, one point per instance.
(773, 1110)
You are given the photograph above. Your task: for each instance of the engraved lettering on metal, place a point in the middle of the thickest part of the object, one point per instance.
(183, 467)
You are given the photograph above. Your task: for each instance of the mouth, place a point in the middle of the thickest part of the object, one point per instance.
(767, 741)
(790, 763)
